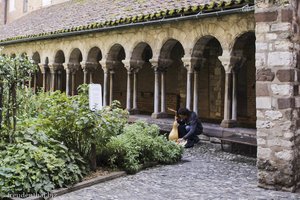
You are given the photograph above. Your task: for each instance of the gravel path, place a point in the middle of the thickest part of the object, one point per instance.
(204, 173)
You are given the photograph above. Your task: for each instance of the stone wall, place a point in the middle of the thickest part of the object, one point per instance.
(277, 98)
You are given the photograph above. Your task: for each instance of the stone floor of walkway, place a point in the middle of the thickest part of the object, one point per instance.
(204, 173)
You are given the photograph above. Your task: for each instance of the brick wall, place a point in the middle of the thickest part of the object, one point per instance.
(277, 98)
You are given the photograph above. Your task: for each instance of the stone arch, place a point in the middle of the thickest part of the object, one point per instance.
(211, 78)
(118, 72)
(140, 57)
(75, 59)
(171, 65)
(96, 73)
(38, 77)
(60, 72)
(243, 61)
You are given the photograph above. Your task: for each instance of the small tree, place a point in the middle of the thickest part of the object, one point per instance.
(14, 71)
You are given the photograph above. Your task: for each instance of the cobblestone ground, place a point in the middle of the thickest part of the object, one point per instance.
(204, 173)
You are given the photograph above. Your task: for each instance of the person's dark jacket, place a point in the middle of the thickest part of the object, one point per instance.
(194, 123)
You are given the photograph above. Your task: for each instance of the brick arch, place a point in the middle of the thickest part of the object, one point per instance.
(171, 52)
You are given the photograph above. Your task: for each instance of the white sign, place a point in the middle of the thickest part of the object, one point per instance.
(95, 97)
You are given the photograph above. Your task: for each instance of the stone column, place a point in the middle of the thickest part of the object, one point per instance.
(188, 65)
(134, 107)
(277, 94)
(30, 80)
(111, 82)
(59, 86)
(53, 74)
(105, 82)
(195, 102)
(35, 82)
(73, 82)
(91, 77)
(156, 92)
(234, 101)
(68, 71)
(189, 89)
(163, 94)
(227, 122)
(43, 71)
(128, 94)
(85, 72)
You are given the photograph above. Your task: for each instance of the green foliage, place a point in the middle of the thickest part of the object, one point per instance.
(139, 145)
(14, 71)
(36, 163)
(69, 120)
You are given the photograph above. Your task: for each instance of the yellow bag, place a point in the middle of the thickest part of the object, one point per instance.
(174, 132)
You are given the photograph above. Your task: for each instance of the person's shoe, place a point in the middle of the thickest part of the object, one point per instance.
(196, 139)
(189, 144)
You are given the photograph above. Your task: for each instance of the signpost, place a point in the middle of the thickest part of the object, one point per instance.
(95, 97)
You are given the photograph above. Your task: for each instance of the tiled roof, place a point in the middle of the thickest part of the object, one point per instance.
(78, 15)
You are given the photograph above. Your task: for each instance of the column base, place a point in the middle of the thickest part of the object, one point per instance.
(159, 115)
(228, 123)
(134, 111)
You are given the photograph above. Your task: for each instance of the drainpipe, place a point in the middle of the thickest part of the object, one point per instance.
(199, 15)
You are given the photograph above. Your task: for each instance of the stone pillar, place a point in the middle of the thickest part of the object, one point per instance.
(134, 106)
(43, 71)
(277, 95)
(35, 82)
(53, 74)
(163, 94)
(91, 76)
(73, 82)
(111, 82)
(85, 72)
(234, 101)
(226, 62)
(30, 81)
(105, 82)
(189, 89)
(195, 99)
(226, 122)
(128, 94)
(156, 92)
(68, 81)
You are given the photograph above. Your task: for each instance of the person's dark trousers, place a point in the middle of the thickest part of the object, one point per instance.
(191, 140)
(182, 131)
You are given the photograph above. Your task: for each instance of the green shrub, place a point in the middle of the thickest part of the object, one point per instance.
(139, 145)
(69, 120)
(36, 163)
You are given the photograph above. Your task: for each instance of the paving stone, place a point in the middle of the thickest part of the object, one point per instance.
(205, 172)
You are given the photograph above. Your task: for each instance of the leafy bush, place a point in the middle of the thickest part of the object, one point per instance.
(139, 145)
(36, 163)
(69, 120)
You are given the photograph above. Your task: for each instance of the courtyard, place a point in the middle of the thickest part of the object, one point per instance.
(205, 172)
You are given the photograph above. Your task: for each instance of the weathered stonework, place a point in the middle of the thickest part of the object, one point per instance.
(278, 110)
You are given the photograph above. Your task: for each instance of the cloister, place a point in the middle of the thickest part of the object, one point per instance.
(235, 63)
(151, 68)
